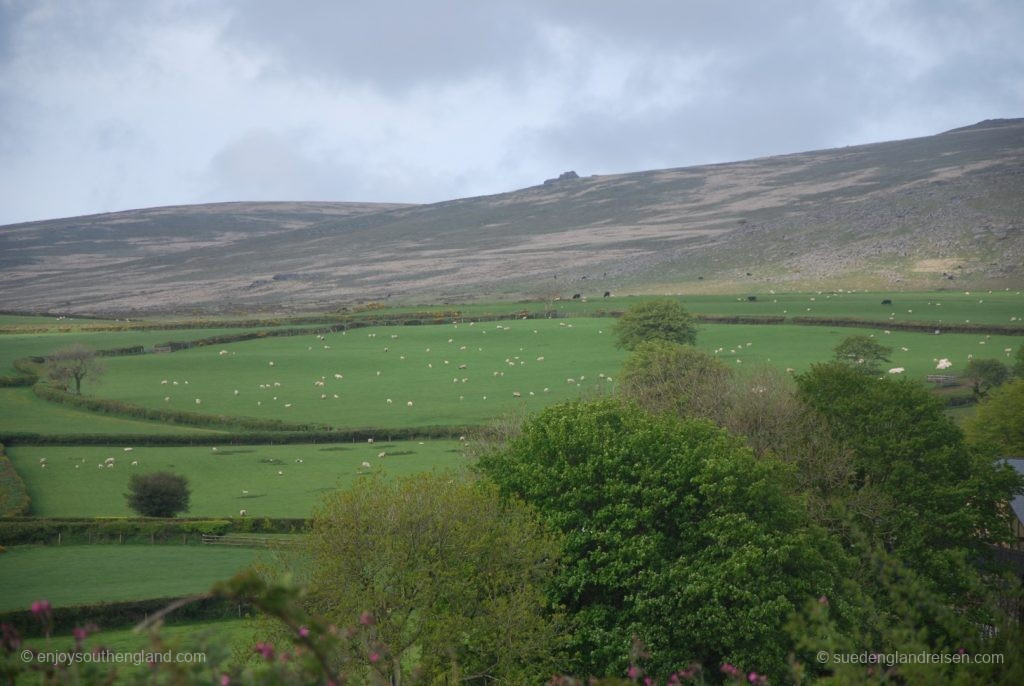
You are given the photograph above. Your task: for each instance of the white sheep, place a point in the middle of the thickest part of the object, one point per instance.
(409, 404)
(241, 513)
(135, 463)
(128, 450)
(382, 454)
(369, 440)
(366, 464)
(897, 370)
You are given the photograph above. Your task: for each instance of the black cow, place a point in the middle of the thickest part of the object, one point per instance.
(887, 302)
(576, 296)
(607, 294)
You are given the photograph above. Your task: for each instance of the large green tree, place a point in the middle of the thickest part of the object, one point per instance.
(158, 494)
(946, 503)
(984, 375)
(655, 320)
(662, 376)
(674, 533)
(453, 576)
(863, 353)
(999, 420)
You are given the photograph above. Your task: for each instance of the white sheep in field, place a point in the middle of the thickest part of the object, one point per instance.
(271, 364)
(198, 401)
(369, 440)
(110, 466)
(164, 382)
(167, 398)
(517, 394)
(128, 450)
(287, 404)
(223, 352)
(213, 449)
(135, 463)
(100, 465)
(897, 370)
(339, 377)
(382, 454)
(409, 404)
(241, 513)
(389, 401)
(570, 381)
(366, 464)
(298, 460)
(280, 473)
(245, 492)
(42, 460)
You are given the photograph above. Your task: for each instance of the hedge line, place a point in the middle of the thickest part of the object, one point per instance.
(14, 500)
(924, 327)
(352, 435)
(45, 531)
(741, 319)
(110, 616)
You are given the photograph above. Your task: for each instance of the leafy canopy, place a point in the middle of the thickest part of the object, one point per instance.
(862, 352)
(453, 575)
(945, 502)
(999, 419)
(674, 533)
(655, 320)
(159, 494)
(984, 375)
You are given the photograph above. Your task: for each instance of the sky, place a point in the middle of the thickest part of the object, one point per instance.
(109, 105)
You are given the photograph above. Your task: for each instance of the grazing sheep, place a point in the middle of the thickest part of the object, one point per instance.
(409, 404)
(369, 440)
(223, 352)
(241, 513)
(389, 401)
(128, 450)
(245, 492)
(897, 370)
(198, 401)
(944, 364)
(164, 382)
(271, 364)
(382, 454)
(280, 473)
(366, 464)
(517, 394)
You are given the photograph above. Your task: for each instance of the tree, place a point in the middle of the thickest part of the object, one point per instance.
(999, 419)
(453, 576)
(946, 502)
(984, 375)
(862, 352)
(673, 532)
(71, 365)
(158, 494)
(655, 320)
(662, 376)
(1018, 366)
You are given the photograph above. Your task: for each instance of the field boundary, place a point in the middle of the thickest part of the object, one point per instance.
(14, 499)
(353, 435)
(121, 614)
(136, 530)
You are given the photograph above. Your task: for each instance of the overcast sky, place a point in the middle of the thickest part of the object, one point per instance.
(134, 103)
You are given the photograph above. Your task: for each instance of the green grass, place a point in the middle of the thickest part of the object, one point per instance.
(999, 307)
(21, 410)
(580, 348)
(218, 479)
(87, 574)
(189, 636)
(16, 345)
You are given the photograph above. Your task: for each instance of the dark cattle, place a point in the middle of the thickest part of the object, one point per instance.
(887, 302)
(576, 296)
(751, 298)
(749, 274)
(607, 294)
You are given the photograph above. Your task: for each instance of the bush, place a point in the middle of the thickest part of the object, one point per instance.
(655, 320)
(158, 494)
(999, 420)
(14, 498)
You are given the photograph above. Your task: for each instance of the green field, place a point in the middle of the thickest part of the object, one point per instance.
(87, 574)
(189, 636)
(998, 307)
(421, 366)
(218, 479)
(21, 410)
(16, 345)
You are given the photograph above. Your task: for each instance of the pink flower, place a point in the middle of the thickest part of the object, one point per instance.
(633, 672)
(374, 657)
(730, 670)
(225, 680)
(304, 631)
(79, 633)
(265, 649)
(823, 600)
(366, 619)
(40, 607)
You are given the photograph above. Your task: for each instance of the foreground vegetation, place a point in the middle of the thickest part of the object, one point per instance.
(718, 511)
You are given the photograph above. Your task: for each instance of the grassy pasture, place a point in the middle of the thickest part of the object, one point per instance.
(219, 480)
(998, 307)
(21, 410)
(15, 345)
(414, 368)
(186, 636)
(86, 574)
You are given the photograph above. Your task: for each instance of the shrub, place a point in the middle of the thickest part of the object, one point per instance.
(159, 494)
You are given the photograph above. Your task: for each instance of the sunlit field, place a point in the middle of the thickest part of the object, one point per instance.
(413, 376)
(264, 480)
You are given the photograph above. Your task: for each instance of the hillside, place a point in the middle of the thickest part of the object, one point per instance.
(939, 211)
